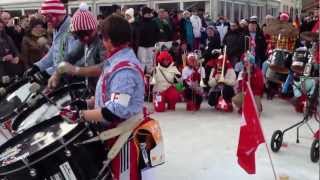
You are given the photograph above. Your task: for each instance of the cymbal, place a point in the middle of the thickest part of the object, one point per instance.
(309, 36)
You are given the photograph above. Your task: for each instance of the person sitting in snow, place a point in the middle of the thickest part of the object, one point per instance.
(255, 76)
(191, 76)
(165, 76)
(221, 81)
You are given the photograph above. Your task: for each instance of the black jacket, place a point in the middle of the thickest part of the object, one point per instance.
(235, 43)
(148, 33)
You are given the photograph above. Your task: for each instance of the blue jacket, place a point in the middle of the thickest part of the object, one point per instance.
(62, 44)
(128, 81)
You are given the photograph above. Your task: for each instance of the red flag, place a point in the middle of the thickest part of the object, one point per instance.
(251, 135)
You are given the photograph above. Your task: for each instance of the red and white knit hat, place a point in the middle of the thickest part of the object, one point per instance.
(284, 16)
(53, 7)
(83, 19)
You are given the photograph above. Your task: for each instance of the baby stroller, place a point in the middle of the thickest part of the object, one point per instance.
(310, 112)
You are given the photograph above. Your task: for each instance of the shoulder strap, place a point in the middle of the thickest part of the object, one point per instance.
(164, 76)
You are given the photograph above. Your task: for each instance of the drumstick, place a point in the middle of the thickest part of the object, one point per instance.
(223, 63)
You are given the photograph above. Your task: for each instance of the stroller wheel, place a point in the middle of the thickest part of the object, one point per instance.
(314, 153)
(276, 141)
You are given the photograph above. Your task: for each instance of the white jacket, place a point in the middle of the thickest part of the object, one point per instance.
(229, 79)
(197, 25)
(159, 81)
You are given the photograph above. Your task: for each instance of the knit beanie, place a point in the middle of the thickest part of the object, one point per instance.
(83, 19)
(53, 7)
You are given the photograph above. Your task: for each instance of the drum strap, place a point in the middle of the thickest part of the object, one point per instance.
(123, 130)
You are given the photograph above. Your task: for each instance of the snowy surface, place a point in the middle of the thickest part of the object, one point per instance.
(203, 145)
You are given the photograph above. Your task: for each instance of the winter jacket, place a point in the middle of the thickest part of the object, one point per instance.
(222, 29)
(196, 25)
(256, 82)
(187, 31)
(229, 77)
(160, 82)
(165, 30)
(234, 40)
(260, 49)
(148, 33)
(32, 50)
(63, 43)
(212, 43)
(7, 47)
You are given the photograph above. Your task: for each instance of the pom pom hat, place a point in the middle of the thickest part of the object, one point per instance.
(53, 7)
(83, 19)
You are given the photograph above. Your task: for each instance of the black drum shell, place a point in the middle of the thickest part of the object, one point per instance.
(299, 60)
(275, 76)
(85, 160)
(280, 61)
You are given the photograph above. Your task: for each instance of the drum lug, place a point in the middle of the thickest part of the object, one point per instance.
(67, 152)
(33, 172)
(90, 133)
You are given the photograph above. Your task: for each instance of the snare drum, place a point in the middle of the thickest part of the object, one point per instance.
(275, 76)
(42, 110)
(299, 60)
(280, 61)
(49, 151)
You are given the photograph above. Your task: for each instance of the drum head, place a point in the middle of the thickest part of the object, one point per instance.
(43, 110)
(35, 143)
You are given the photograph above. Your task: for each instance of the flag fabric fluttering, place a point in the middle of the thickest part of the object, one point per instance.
(251, 135)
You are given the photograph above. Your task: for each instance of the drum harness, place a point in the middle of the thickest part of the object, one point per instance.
(123, 131)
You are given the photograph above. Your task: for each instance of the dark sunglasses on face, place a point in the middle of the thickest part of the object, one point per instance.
(81, 34)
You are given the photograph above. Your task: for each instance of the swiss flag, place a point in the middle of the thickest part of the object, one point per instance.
(251, 135)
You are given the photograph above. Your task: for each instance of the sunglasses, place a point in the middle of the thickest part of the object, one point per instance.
(81, 34)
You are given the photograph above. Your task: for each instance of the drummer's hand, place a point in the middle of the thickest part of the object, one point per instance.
(15, 60)
(31, 71)
(54, 81)
(67, 68)
(69, 115)
(79, 104)
(8, 58)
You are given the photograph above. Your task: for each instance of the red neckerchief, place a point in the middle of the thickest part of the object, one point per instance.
(111, 53)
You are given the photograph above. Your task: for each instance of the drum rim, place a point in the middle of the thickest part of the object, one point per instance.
(19, 165)
(18, 119)
(282, 50)
(10, 90)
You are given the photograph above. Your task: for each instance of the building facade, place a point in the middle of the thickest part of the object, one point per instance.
(234, 10)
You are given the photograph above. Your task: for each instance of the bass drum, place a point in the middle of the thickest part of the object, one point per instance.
(14, 96)
(275, 76)
(41, 109)
(49, 151)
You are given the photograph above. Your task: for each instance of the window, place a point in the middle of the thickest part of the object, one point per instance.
(221, 8)
(236, 12)
(229, 10)
(242, 11)
(30, 11)
(169, 6)
(194, 5)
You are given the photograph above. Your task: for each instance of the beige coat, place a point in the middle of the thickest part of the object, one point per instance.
(158, 80)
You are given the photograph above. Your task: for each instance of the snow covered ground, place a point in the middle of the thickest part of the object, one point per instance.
(203, 145)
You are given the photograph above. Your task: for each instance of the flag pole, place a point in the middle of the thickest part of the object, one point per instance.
(269, 155)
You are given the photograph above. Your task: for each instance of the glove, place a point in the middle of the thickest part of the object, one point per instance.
(79, 104)
(31, 71)
(69, 115)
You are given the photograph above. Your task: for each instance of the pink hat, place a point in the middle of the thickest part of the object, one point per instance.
(53, 7)
(83, 19)
(284, 17)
